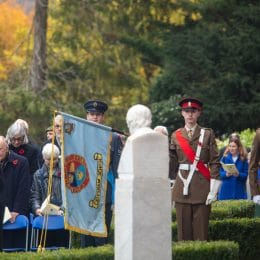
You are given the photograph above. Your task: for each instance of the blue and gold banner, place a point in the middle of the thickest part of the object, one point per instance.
(85, 164)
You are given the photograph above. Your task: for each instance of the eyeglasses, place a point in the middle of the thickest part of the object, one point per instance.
(57, 126)
(17, 139)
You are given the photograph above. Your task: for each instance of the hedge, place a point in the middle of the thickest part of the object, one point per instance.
(229, 209)
(213, 250)
(244, 231)
(99, 253)
(195, 250)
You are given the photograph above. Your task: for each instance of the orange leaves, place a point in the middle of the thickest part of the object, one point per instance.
(14, 29)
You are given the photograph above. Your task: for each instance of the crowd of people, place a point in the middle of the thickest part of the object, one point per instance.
(25, 173)
(196, 171)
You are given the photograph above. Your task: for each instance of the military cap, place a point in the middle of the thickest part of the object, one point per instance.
(190, 102)
(96, 106)
(49, 129)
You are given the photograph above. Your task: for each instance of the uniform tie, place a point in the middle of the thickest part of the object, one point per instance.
(190, 133)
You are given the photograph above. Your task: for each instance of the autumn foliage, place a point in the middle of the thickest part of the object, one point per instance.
(15, 28)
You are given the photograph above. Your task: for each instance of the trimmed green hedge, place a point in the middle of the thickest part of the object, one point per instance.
(91, 253)
(195, 250)
(213, 250)
(232, 209)
(229, 209)
(244, 231)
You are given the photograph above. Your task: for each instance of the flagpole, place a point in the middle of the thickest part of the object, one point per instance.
(119, 132)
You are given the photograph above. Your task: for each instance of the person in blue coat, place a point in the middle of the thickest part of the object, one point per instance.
(234, 184)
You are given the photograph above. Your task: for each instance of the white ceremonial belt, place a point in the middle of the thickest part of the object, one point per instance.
(187, 167)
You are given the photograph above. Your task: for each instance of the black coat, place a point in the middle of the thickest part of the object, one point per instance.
(29, 151)
(39, 188)
(2, 186)
(15, 174)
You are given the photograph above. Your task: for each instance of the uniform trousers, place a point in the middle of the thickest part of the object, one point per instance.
(192, 221)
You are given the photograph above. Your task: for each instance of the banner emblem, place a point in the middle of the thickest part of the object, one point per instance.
(77, 174)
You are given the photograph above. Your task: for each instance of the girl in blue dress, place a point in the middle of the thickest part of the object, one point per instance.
(234, 184)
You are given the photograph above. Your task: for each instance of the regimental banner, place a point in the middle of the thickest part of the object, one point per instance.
(85, 163)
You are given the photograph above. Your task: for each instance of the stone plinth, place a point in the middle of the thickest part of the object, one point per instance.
(143, 200)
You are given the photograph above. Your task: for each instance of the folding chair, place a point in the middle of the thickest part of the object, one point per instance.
(54, 222)
(21, 222)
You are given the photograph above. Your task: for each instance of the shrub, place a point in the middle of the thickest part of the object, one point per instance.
(205, 250)
(232, 209)
(181, 250)
(244, 231)
(91, 253)
(229, 209)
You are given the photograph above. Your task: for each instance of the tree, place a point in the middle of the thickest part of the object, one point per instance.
(215, 58)
(14, 38)
(39, 66)
(86, 60)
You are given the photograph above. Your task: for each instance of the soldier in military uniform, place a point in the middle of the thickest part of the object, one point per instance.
(96, 113)
(194, 165)
(254, 180)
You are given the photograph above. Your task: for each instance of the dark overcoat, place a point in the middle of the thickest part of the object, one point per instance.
(16, 177)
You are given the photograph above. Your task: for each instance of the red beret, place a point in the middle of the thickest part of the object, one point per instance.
(191, 103)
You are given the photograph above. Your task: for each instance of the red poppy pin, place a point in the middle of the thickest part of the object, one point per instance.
(21, 151)
(15, 162)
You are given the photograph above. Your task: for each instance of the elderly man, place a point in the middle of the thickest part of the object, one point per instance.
(15, 173)
(195, 167)
(96, 113)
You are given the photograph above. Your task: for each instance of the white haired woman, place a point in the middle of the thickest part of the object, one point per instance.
(18, 142)
(39, 192)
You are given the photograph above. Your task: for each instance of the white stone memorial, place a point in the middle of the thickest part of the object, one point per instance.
(143, 195)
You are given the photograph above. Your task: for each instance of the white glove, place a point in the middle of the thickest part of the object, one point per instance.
(256, 199)
(172, 183)
(214, 188)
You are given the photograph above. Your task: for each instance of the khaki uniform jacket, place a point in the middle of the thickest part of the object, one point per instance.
(199, 186)
(254, 164)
